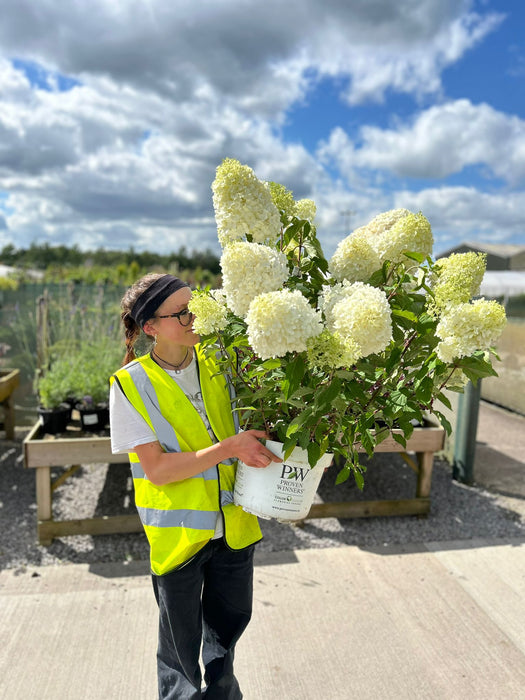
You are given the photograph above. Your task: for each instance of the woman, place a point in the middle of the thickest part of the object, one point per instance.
(171, 411)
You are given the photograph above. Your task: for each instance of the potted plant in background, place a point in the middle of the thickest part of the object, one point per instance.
(95, 363)
(55, 388)
(329, 355)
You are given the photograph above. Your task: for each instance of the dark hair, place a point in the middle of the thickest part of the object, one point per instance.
(131, 327)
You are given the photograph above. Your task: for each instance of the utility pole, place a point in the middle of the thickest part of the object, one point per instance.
(346, 214)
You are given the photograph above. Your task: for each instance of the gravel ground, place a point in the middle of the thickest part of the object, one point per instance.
(457, 512)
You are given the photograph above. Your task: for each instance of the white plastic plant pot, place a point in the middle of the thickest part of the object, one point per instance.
(282, 490)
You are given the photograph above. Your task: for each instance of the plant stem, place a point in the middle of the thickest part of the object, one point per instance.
(443, 385)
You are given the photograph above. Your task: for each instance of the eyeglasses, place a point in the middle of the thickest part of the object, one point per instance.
(184, 317)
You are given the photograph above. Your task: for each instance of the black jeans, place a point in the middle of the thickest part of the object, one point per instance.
(208, 600)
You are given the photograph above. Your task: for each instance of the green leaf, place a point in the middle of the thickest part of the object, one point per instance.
(444, 400)
(393, 358)
(405, 314)
(314, 452)
(443, 420)
(304, 439)
(289, 444)
(381, 434)
(418, 257)
(359, 479)
(426, 323)
(294, 373)
(366, 439)
(400, 439)
(331, 392)
(398, 398)
(407, 428)
(272, 363)
(343, 475)
(476, 367)
(424, 390)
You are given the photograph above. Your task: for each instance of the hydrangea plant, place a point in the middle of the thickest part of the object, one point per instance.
(333, 354)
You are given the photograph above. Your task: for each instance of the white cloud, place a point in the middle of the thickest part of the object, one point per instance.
(471, 214)
(254, 53)
(445, 139)
(439, 142)
(104, 159)
(407, 51)
(164, 91)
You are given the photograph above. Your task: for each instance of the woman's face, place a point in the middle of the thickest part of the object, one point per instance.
(173, 329)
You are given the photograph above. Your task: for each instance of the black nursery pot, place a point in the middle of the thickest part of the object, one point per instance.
(94, 417)
(54, 420)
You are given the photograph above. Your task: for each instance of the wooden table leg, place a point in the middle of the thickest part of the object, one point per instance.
(43, 500)
(9, 418)
(424, 476)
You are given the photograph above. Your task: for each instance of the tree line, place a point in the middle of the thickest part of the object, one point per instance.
(43, 256)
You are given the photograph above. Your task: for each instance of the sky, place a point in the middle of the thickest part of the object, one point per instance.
(114, 115)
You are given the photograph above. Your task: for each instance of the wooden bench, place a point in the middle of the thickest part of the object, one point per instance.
(9, 380)
(42, 452)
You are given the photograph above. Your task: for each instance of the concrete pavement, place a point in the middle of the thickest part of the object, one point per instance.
(438, 621)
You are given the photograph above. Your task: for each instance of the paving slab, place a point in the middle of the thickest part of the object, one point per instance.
(438, 621)
(499, 463)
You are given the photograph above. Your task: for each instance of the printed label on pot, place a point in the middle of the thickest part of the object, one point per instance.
(282, 490)
(90, 418)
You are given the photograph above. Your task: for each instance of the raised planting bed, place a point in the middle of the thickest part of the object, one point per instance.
(9, 380)
(73, 448)
(70, 450)
(424, 442)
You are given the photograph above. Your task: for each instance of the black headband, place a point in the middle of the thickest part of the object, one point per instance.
(152, 297)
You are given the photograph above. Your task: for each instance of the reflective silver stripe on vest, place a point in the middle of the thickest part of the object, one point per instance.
(230, 460)
(226, 498)
(162, 428)
(193, 519)
(136, 471)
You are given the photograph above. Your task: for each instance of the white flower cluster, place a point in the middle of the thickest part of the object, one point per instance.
(358, 312)
(305, 209)
(250, 269)
(331, 350)
(243, 205)
(354, 259)
(410, 233)
(280, 322)
(466, 328)
(210, 314)
(382, 223)
(387, 237)
(459, 279)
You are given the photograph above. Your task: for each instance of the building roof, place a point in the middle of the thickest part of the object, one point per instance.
(501, 250)
(6, 270)
(503, 283)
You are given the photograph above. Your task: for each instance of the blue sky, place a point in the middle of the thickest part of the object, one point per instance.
(114, 117)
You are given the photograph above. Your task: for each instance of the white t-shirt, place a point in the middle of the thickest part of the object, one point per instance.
(129, 429)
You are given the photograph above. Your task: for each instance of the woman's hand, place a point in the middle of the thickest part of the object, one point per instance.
(246, 447)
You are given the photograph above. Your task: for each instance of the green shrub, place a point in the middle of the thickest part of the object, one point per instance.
(57, 384)
(95, 362)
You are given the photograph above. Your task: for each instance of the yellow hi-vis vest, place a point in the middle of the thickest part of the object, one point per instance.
(179, 518)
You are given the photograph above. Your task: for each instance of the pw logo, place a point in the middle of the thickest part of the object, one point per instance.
(297, 473)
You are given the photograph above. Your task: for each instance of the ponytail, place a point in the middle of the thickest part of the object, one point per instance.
(132, 332)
